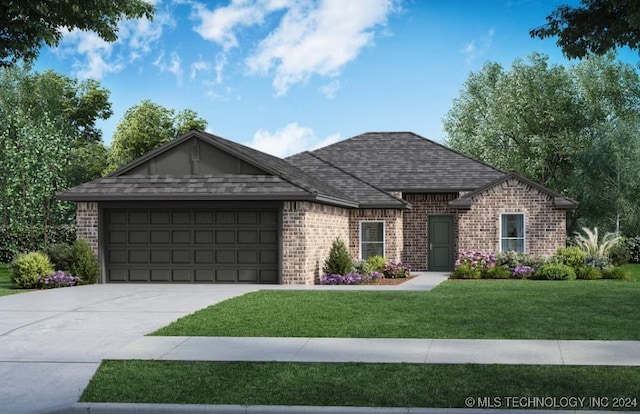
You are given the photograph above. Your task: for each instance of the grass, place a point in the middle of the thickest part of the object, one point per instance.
(634, 270)
(352, 384)
(511, 309)
(7, 287)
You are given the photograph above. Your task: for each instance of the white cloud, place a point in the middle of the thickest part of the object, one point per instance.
(199, 65)
(477, 47)
(173, 66)
(290, 140)
(311, 38)
(330, 90)
(95, 51)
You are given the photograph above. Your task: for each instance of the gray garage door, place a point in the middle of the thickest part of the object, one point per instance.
(192, 245)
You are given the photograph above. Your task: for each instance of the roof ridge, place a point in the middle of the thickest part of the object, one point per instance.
(356, 177)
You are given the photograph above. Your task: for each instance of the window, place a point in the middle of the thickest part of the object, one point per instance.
(512, 232)
(371, 239)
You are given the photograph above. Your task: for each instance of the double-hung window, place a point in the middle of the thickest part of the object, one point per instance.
(512, 235)
(371, 239)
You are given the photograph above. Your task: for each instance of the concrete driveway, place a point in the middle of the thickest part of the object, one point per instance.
(52, 341)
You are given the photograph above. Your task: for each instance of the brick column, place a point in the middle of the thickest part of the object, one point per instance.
(87, 224)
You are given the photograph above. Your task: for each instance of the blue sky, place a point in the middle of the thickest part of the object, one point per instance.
(285, 76)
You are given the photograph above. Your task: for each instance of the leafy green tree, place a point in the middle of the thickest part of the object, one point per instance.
(594, 27)
(145, 127)
(28, 25)
(47, 119)
(573, 129)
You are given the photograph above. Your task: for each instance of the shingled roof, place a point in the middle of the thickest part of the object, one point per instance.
(285, 182)
(404, 161)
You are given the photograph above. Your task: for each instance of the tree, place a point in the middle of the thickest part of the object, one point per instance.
(597, 26)
(47, 118)
(28, 25)
(572, 129)
(145, 127)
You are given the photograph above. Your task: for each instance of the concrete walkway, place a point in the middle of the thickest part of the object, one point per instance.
(418, 351)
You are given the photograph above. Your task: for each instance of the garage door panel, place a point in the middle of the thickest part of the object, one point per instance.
(160, 275)
(247, 257)
(181, 275)
(160, 256)
(160, 236)
(225, 275)
(138, 275)
(247, 275)
(138, 217)
(138, 256)
(192, 245)
(138, 237)
(247, 237)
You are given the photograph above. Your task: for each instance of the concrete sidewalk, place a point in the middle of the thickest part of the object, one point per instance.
(421, 351)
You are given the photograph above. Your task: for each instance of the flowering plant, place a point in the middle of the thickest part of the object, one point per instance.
(476, 260)
(522, 271)
(56, 280)
(348, 279)
(396, 270)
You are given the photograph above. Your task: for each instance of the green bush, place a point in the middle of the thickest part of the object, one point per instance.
(588, 273)
(597, 261)
(60, 255)
(376, 263)
(339, 261)
(555, 271)
(361, 267)
(633, 244)
(571, 256)
(15, 239)
(497, 272)
(620, 253)
(27, 268)
(84, 264)
(465, 271)
(613, 272)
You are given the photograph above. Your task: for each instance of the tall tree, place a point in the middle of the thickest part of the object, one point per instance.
(147, 126)
(46, 118)
(28, 25)
(559, 126)
(596, 26)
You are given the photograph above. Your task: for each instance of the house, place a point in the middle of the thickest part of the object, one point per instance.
(205, 209)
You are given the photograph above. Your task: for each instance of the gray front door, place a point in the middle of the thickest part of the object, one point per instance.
(232, 245)
(441, 243)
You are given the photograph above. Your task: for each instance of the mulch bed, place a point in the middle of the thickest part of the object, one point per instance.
(389, 281)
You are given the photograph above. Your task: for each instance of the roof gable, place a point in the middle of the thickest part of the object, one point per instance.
(404, 161)
(559, 201)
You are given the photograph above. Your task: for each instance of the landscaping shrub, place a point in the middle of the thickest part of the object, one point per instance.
(571, 256)
(510, 259)
(592, 245)
(523, 271)
(597, 261)
(376, 263)
(339, 261)
(497, 272)
(84, 264)
(16, 239)
(361, 267)
(396, 270)
(588, 273)
(633, 244)
(476, 259)
(27, 269)
(612, 272)
(348, 279)
(555, 271)
(60, 255)
(620, 254)
(57, 280)
(466, 271)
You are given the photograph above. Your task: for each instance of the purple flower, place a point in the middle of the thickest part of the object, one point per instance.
(57, 279)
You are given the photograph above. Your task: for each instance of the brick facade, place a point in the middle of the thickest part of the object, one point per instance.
(308, 230)
(416, 224)
(393, 231)
(545, 225)
(87, 224)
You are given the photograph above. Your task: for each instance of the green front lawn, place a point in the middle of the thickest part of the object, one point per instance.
(511, 309)
(7, 287)
(356, 384)
(634, 270)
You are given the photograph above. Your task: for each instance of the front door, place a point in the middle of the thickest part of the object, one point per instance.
(441, 243)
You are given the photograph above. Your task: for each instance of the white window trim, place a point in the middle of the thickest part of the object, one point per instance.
(524, 229)
(384, 236)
